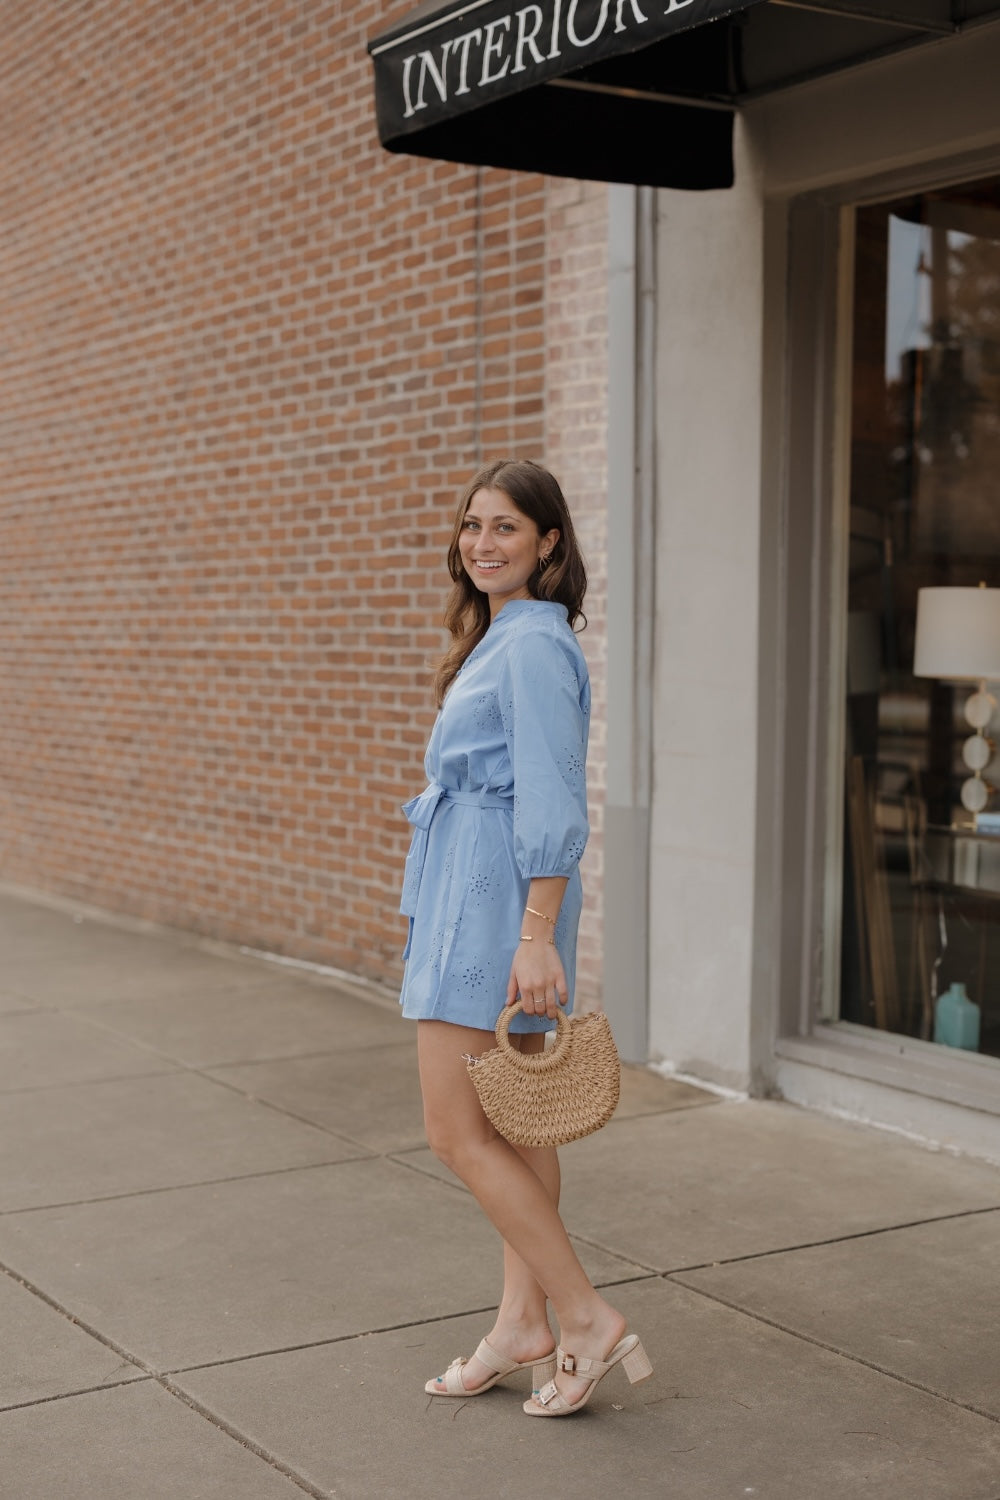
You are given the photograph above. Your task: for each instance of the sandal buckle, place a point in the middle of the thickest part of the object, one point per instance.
(568, 1364)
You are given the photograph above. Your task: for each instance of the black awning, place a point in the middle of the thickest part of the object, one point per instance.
(637, 91)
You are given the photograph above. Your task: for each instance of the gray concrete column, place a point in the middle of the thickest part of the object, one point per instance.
(631, 571)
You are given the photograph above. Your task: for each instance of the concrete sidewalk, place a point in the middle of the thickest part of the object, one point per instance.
(231, 1263)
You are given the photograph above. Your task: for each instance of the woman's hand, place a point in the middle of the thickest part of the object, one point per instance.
(537, 975)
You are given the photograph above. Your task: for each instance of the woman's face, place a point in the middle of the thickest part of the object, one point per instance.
(500, 547)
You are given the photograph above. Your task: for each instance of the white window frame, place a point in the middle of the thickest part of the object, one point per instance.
(812, 479)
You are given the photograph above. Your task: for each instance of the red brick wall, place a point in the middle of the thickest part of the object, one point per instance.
(247, 362)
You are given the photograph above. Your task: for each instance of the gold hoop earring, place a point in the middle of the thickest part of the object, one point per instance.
(544, 561)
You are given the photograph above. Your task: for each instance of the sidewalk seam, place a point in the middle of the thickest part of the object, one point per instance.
(81, 1013)
(157, 1378)
(231, 1431)
(322, 976)
(857, 1359)
(838, 1239)
(102, 1338)
(186, 1187)
(282, 1109)
(364, 1333)
(83, 1083)
(83, 1390)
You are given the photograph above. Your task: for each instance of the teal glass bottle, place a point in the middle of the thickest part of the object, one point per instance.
(956, 1019)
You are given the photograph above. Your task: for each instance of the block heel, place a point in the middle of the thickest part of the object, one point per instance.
(636, 1364)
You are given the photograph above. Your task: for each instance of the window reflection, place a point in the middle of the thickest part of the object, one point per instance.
(921, 893)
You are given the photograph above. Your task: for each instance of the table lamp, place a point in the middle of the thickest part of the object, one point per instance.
(958, 638)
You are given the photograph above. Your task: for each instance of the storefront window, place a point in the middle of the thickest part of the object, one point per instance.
(921, 897)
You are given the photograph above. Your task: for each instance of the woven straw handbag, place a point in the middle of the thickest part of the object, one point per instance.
(549, 1098)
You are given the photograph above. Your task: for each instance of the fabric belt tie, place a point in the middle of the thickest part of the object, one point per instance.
(420, 813)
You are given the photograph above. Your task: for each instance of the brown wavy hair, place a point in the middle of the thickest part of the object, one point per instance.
(536, 493)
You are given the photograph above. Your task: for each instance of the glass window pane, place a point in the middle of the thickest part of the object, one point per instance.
(921, 908)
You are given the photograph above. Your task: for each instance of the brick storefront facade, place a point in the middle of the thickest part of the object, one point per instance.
(248, 361)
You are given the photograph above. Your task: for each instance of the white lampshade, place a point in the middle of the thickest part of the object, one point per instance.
(958, 634)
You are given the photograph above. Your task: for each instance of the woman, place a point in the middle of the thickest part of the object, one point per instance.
(492, 891)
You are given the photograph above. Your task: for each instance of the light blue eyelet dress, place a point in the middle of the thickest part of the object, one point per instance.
(507, 801)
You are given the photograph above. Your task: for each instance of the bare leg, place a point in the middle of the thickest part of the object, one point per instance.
(524, 1298)
(514, 1196)
(521, 1330)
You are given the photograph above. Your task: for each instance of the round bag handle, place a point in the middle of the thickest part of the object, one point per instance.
(533, 1062)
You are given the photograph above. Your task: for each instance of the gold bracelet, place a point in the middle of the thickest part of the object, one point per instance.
(551, 920)
(527, 938)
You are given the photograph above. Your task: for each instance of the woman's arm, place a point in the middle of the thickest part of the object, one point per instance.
(537, 973)
(543, 703)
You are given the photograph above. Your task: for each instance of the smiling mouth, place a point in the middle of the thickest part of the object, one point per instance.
(488, 567)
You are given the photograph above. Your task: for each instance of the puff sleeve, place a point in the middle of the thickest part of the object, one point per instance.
(545, 707)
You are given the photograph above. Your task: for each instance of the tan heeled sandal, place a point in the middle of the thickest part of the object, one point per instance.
(550, 1401)
(543, 1370)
